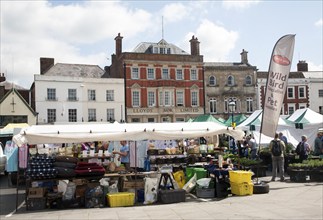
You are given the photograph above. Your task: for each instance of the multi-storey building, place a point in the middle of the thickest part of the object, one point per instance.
(227, 82)
(297, 92)
(76, 93)
(163, 83)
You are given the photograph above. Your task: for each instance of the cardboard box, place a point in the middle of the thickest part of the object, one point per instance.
(36, 192)
(134, 184)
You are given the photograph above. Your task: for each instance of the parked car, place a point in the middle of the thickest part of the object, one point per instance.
(3, 160)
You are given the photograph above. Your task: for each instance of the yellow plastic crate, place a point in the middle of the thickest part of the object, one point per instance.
(121, 199)
(241, 189)
(240, 176)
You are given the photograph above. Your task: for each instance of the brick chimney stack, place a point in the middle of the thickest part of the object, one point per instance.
(118, 40)
(244, 56)
(195, 46)
(302, 66)
(45, 64)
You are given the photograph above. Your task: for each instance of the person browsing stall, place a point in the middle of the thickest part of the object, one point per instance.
(124, 154)
(277, 149)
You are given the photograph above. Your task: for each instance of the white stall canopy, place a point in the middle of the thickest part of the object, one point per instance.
(78, 133)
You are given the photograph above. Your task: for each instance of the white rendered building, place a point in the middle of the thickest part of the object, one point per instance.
(77, 93)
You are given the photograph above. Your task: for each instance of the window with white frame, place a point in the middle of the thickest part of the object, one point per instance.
(212, 104)
(166, 98)
(150, 73)
(162, 50)
(179, 98)
(248, 80)
(320, 92)
(110, 95)
(91, 94)
(301, 92)
(91, 114)
(194, 98)
(290, 92)
(135, 98)
(72, 115)
(165, 73)
(230, 81)
(72, 95)
(151, 99)
(134, 73)
(291, 109)
(249, 105)
(110, 114)
(194, 74)
(179, 74)
(226, 104)
(51, 94)
(51, 115)
(212, 81)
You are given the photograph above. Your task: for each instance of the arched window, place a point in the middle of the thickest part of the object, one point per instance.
(212, 81)
(230, 80)
(248, 80)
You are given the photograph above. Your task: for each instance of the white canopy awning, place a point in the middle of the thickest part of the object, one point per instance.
(77, 133)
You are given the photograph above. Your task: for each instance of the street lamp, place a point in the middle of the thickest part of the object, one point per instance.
(232, 106)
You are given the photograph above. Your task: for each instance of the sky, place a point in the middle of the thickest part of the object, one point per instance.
(83, 32)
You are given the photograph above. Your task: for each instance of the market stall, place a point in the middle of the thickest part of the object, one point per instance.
(79, 133)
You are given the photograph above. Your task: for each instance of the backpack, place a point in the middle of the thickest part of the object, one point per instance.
(300, 149)
(276, 148)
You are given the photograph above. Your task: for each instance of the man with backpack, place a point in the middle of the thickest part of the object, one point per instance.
(277, 149)
(303, 149)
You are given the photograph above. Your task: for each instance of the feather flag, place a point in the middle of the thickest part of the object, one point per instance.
(279, 68)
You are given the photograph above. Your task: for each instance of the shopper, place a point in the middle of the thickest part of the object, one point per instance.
(124, 154)
(303, 149)
(277, 149)
(318, 145)
(253, 147)
(283, 138)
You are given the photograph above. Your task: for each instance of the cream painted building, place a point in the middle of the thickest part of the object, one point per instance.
(14, 109)
(77, 93)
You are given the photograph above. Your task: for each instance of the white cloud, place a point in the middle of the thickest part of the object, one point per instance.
(175, 12)
(238, 4)
(34, 29)
(319, 23)
(216, 41)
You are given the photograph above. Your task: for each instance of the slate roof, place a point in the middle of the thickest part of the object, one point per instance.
(147, 47)
(75, 70)
(8, 85)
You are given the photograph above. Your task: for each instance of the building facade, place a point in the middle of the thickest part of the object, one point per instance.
(76, 93)
(163, 83)
(230, 82)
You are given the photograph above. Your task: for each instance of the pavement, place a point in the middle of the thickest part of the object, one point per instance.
(285, 200)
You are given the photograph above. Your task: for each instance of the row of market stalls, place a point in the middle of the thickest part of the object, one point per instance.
(302, 122)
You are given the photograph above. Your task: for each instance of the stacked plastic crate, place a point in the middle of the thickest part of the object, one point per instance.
(240, 182)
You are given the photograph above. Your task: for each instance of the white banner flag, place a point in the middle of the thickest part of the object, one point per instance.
(279, 68)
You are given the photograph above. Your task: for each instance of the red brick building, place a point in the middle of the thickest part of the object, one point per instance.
(163, 83)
